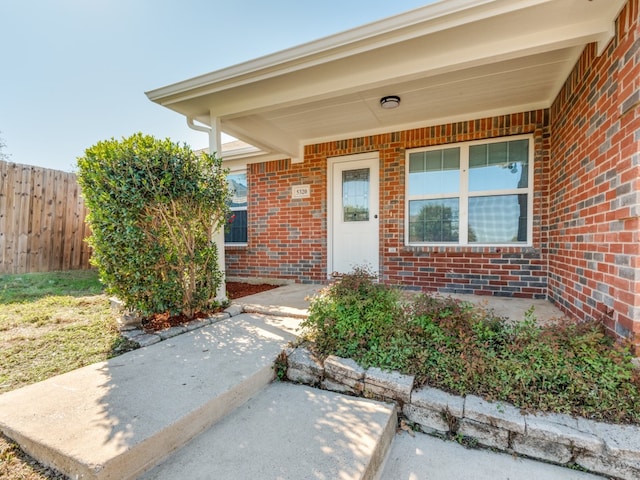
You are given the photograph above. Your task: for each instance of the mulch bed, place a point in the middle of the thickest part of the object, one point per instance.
(240, 289)
(235, 290)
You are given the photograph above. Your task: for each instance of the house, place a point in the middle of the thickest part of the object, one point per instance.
(488, 147)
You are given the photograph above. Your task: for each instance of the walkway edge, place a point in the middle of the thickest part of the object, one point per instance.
(116, 419)
(143, 457)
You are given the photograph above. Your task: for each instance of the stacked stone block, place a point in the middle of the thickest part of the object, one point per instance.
(612, 450)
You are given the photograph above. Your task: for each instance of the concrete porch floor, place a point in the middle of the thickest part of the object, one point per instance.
(293, 300)
(515, 308)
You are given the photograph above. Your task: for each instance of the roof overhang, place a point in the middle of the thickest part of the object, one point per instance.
(448, 61)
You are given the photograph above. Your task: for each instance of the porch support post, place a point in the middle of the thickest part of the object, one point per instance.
(215, 146)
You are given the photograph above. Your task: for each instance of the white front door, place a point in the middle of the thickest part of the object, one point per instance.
(353, 213)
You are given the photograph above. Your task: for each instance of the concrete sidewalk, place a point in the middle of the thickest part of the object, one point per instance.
(288, 300)
(191, 393)
(423, 457)
(289, 432)
(115, 419)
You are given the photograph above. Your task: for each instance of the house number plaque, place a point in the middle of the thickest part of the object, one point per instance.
(301, 191)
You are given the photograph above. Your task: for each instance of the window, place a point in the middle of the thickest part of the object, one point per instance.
(475, 193)
(355, 195)
(236, 231)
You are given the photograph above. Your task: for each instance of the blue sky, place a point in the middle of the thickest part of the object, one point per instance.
(74, 72)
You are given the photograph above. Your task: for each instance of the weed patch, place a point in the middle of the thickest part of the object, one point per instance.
(280, 366)
(571, 368)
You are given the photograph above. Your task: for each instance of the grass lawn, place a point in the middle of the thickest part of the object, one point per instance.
(50, 323)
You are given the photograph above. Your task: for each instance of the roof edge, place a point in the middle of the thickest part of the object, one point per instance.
(387, 31)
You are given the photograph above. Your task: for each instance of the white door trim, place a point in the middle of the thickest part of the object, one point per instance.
(331, 201)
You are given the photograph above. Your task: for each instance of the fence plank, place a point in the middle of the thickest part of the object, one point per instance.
(24, 207)
(86, 233)
(42, 220)
(68, 232)
(59, 221)
(35, 220)
(4, 187)
(48, 217)
(78, 222)
(11, 230)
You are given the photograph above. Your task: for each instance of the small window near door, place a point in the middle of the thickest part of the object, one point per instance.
(355, 195)
(236, 230)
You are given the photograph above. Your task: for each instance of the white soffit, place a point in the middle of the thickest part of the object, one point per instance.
(448, 61)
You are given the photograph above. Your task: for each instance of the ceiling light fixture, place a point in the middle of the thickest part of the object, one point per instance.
(390, 101)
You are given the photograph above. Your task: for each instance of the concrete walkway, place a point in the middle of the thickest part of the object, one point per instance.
(423, 457)
(199, 405)
(289, 432)
(115, 419)
(289, 300)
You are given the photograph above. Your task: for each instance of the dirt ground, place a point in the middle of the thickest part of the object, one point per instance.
(235, 290)
(239, 289)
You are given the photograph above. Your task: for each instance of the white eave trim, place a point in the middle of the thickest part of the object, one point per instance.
(241, 161)
(248, 151)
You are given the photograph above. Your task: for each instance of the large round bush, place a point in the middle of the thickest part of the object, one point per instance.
(154, 208)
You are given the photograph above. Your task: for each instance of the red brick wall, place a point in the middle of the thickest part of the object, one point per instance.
(594, 239)
(287, 238)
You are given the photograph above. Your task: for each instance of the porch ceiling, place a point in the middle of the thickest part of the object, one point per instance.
(448, 61)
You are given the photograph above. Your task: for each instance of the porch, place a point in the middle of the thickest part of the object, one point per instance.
(293, 300)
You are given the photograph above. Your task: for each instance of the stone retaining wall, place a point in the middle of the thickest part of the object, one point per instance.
(612, 450)
(134, 332)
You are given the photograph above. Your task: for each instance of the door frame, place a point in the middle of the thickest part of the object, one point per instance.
(331, 200)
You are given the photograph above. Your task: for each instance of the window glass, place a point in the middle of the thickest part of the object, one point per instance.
(355, 195)
(498, 219)
(469, 194)
(435, 220)
(499, 166)
(236, 228)
(434, 171)
(236, 231)
(238, 189)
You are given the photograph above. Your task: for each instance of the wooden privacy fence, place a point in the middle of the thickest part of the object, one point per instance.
(42, 220)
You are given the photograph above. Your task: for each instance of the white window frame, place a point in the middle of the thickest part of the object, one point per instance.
(464, 194)
(237, 209)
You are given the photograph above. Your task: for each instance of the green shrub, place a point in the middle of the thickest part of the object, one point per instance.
(448, 344)
(154, 207)
(354, 316)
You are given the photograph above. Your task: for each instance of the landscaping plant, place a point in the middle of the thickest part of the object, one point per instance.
(571, 368)
(154, 209)
(354, 315)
